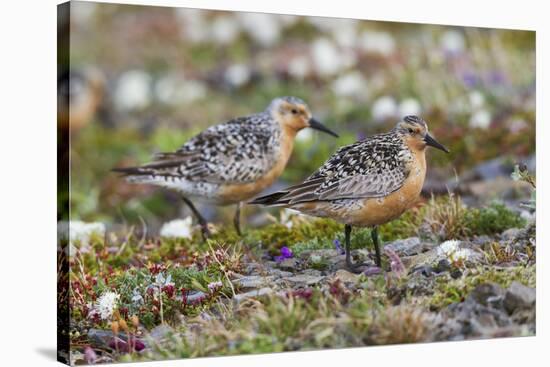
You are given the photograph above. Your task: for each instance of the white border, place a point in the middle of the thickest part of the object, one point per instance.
(28, 189)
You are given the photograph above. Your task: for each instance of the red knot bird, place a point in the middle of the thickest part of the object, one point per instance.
(365, 184)
(231, 162)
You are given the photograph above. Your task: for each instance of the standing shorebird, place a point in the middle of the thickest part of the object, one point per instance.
(365, 184)
(233, 161)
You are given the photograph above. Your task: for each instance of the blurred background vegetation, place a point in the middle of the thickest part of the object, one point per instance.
(145, 79)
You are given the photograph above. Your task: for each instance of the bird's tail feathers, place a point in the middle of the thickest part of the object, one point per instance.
(274, 199)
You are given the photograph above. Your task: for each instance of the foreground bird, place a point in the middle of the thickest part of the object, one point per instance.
(365, 184)
(231, 162)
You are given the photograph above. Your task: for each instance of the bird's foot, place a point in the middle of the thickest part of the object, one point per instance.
(205, 231)
(356, 267)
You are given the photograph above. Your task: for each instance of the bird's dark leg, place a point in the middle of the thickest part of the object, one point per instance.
(349, 264)
(237, 219)
(347, 234)
(374, 235)
(203, 223)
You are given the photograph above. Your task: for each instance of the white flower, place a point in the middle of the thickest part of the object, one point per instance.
(409, 106)
(263, 28)
(132, 90)
(78, 232)
(452, 41)
(286, 217)
(178, 228)
(237, 75)
(214, 286)
(173, 89)
(346, 34)
(448, 247)
(224, 30)
(350, 84)
(106, 304)
(377, 42)
(193, 26)
(480, 119)
(383, 108)
(326, 57)
(476, 99)
(452, 251)
(299, 67)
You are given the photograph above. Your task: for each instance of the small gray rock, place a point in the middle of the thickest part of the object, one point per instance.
(407, 247)
(510, 234)
(288, 264)
(345, 276)
(160, 332)
(519, 297)
(194, 296)
(252, 282)
(303, 279)
(252, 294)
(443, 265)
(102, 338)
(486, 294)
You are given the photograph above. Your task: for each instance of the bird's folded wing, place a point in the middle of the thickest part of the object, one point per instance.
(227, 153)
(354, 172)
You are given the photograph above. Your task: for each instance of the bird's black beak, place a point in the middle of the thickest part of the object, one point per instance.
(434, 143)
(314, 124)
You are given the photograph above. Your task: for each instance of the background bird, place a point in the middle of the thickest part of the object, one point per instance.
(233, 161)
(367, 183)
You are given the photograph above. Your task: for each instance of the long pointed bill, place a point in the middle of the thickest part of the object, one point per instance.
(314, 124)
(434, 143)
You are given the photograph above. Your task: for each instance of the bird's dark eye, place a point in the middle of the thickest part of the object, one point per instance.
(294, 111)
(411, 131)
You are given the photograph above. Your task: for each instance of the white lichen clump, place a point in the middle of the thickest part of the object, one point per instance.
(106, 304)
(178, 228)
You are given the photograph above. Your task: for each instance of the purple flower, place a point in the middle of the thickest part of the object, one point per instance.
(396, 264)
(496, 77)
(470, 79)
(90, 355)
(286, 253)
(338, 246)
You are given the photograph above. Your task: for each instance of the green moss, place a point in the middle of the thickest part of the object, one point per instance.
(492, 219)
(450, 291)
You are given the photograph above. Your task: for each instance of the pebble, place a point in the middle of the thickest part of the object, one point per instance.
(252, 281)
(407, 247)
(304, 279)
(519, 297)
(252, 294)
(288, 264)
(486, 294)
(345, 276)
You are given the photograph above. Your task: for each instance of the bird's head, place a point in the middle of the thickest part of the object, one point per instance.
(414, 132)
(294, 115)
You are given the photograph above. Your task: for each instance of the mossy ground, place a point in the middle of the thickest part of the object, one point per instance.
(157, 281)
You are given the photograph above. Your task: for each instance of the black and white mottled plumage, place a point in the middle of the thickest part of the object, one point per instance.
(374, 167)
